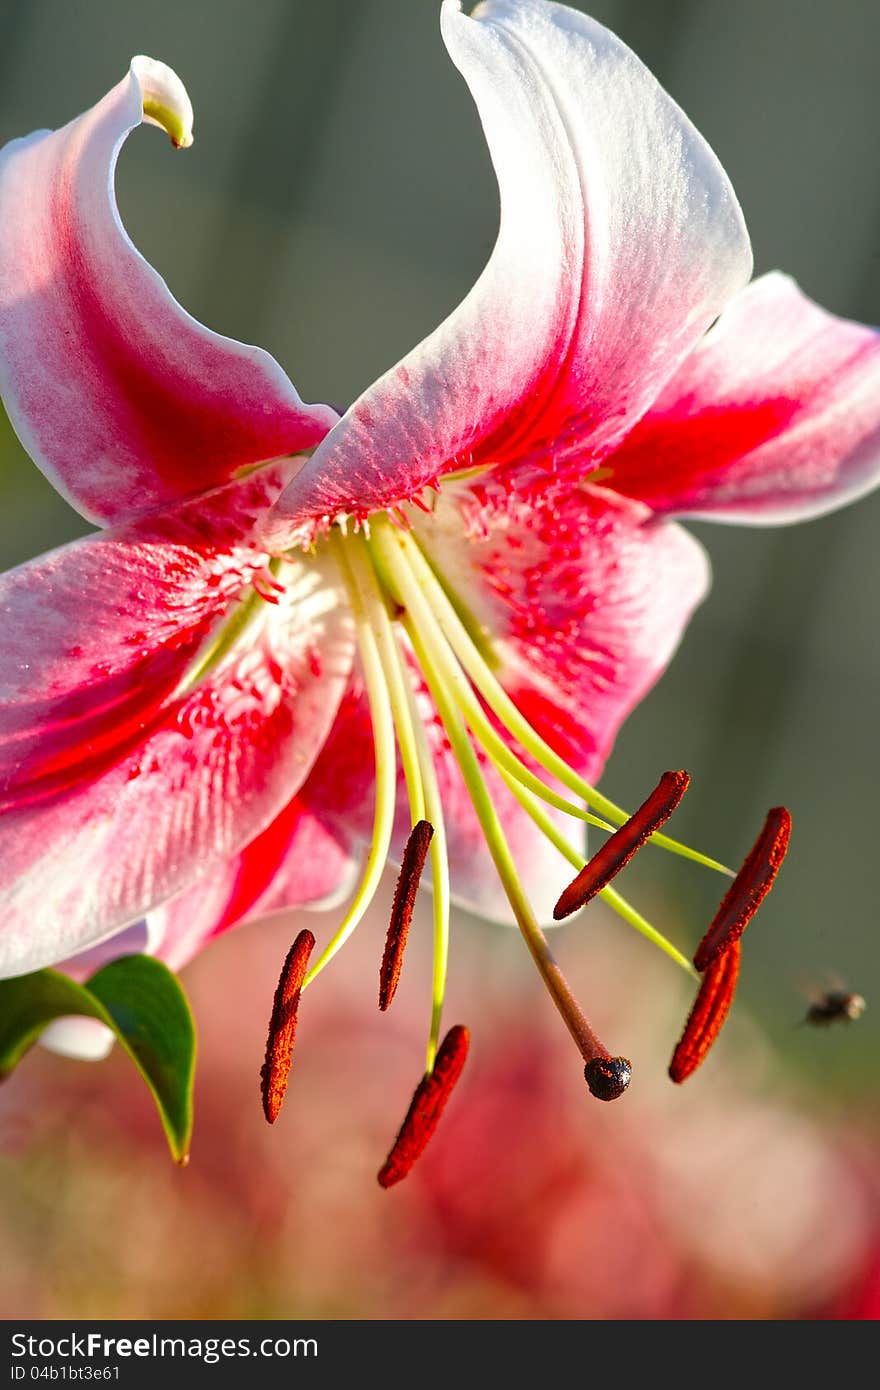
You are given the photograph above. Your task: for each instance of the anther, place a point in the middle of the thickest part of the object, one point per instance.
(620, 847)
(749, 888)
(707, 1016)
(282, 1025)
(411, 867)
(426, 1107)
(608, 1077)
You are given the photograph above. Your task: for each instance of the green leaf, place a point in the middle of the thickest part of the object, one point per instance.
(142, 1002)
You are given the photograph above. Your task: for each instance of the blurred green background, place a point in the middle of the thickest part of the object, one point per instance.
(338, 202)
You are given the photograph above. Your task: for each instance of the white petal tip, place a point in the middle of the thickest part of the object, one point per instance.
(164, 100)
(85, 1039)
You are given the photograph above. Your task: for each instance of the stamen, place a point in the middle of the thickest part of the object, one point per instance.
(385, 761)
(411, 867)
(616, 853)
(439, 875)
(282, 1026)
(432, 592)
(749, 888)
(608, 894)
(710, 1009)
(406, 587)
(418, 769)
(572, 1015)
(427, 1105)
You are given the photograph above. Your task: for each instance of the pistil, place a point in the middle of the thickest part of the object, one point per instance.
(585, 1038)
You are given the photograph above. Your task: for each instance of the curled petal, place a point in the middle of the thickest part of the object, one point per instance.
(212, 768)
(121, 398)
(775, 417)
(620, 241)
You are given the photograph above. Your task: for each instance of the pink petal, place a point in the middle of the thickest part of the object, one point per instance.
(620, 241)
(207, 774)
(97, 635)
(297, 861)
(307, 857)
(121, 398)
(138, 939)
(775, 416)
(585, 597)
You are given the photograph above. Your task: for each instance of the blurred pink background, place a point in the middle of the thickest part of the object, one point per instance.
(738, 1195)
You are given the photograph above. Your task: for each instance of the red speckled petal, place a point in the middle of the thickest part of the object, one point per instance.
(97, 634)
(298, 861)
(123, 400)
(775, 417)
(584, 596)
(97, 841)
(620, 241)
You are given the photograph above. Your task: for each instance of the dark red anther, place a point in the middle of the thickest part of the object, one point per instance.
(426, 1108)
(282, 1025)
(707, 1016)
(620, 847)
(411, 867)
(749, 888)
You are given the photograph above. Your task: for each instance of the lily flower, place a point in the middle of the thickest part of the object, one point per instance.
(299, 634)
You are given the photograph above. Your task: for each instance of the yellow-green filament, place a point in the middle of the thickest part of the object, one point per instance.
(439, 880)
(404, 585)
(635, 919)
(503, 707)
(418, 767)
(385, 759)
(580, 1030)
(395, 682)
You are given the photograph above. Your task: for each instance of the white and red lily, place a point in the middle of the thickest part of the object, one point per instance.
(198, 700)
